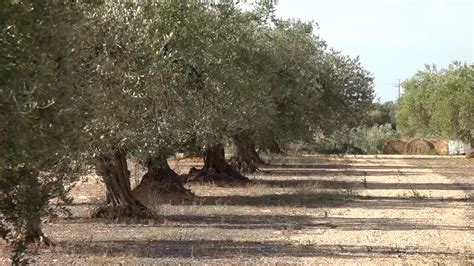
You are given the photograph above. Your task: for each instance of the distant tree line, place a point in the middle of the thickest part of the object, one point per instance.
(439, 103)
(436, 104)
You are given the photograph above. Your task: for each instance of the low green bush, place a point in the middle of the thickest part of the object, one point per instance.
(359, 140)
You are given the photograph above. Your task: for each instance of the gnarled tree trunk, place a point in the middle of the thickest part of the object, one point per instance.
(120, 201)
(160, 181)
(216, 169)
(247, 157)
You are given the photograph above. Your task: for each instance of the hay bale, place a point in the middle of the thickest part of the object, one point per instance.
(419, 147)
(394, 146)
(441, 146)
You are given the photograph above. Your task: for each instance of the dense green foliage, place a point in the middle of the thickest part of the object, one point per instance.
(381, 114)
(161, 74)
(80, 81)
(315, 90)
(368, 138)
(358, 140)
(439, 103)
(372, 139)
(40, 146)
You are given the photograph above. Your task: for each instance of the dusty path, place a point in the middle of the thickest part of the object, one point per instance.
(303, 210)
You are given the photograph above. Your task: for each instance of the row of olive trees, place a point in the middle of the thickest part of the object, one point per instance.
(439, 103)
(89, 84)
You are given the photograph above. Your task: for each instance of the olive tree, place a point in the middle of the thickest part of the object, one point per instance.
(141, 94)
(159, 75)
(242, 73)
(40, 113)
(438, 103)
(217, 46)
(314, 91)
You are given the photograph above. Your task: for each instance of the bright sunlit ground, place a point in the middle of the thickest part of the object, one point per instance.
(306, 209)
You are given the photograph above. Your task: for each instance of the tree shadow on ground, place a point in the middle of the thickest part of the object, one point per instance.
(426, 158)
(298, 222)
(282, 171)
(324, 199)
(217, 249)
(280, 222)
(331, 200)
(329, 184)
(337, 166)
(461, 171)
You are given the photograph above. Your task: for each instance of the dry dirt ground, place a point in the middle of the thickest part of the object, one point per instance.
(301, 210)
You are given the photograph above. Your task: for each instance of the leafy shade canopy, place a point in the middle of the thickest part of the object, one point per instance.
(162, 74)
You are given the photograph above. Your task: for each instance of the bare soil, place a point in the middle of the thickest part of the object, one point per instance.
(301, 210)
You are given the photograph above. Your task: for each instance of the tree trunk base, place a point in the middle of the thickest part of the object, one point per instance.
(216, 169)
(245, 166)
(121, 204)
(210, 175)
(38, 238)
(25, 244)
(122, 212)
(30, 237)
(247, 157)
(162, 185)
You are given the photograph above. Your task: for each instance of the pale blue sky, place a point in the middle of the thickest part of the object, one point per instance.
(394, 38)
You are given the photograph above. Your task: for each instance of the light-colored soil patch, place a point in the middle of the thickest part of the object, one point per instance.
(303, 210)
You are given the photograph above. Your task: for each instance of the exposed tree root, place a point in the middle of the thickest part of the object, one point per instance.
(162, 185)
(216, 169)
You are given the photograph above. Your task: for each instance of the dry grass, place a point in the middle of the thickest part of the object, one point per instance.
(301, 210)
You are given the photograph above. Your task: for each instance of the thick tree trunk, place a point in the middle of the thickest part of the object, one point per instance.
(216, 169)
(247, 157)
(160, 181)
(120, 201)
(159, 171)
(31, 230)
